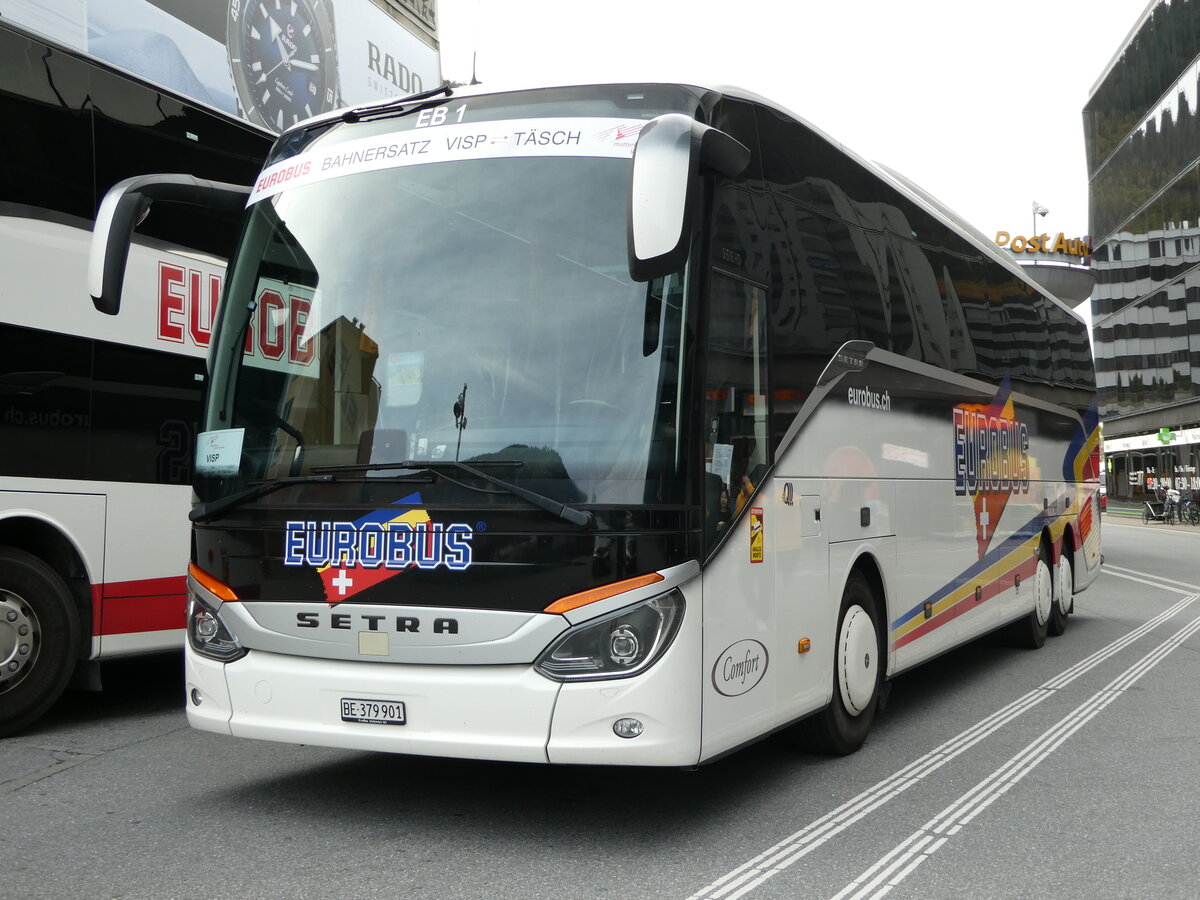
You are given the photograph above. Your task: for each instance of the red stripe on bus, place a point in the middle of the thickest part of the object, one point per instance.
(131, 607)
(147, 587)
(1025, 569)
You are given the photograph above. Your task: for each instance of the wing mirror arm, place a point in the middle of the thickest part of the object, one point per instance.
(125, 206)
(671, 151)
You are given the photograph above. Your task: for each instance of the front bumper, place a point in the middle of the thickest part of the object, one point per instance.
(496, 712)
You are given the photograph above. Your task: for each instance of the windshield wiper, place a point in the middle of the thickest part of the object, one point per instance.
(396, 106)
(580, 517)
(206, 511)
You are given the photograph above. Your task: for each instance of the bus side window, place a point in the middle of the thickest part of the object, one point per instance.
(736, 400)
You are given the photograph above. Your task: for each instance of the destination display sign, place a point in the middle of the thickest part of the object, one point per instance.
(598, 137)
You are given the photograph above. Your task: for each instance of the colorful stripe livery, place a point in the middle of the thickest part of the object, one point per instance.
(995, 573)
(1082, 462)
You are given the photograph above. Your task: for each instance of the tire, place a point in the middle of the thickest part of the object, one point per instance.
(1145, 517)
(39, 638)
(1029, 632)
(1063, 599)
(858, 666)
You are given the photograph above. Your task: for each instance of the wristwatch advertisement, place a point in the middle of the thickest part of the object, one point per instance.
(283, 60)
(272, 62)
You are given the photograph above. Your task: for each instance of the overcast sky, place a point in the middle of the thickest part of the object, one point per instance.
(979, 102)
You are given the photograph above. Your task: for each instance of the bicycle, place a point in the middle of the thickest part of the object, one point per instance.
(1152, 511)
(1189, 512)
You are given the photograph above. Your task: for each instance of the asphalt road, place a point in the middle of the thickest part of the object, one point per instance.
(1069, 771)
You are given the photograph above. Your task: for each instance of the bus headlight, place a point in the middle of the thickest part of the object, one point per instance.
(618, 645)
(208, 635)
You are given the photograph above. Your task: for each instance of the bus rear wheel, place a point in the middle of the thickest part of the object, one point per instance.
(842, 727)
(1063, 600)
(1029, 632)
(39, 638)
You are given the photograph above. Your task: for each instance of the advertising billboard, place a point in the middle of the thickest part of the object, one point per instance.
(272, 62)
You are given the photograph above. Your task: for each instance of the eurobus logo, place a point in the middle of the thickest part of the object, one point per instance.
(353, 556)
(991, 458)
(276, 333)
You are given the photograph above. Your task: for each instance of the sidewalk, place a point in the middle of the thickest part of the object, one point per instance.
(1123, 509)
(1128, 513)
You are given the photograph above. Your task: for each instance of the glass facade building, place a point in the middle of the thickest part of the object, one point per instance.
(1142, 138)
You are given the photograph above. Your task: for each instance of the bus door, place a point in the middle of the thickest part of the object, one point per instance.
(805, 612)
(739, 597)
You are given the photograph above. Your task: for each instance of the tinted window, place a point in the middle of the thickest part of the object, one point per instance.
(47, 163)
(45, 403)
(140, 130)
(145, 407)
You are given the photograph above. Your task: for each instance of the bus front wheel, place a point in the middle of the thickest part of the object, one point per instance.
(842, 727)
(39, 638)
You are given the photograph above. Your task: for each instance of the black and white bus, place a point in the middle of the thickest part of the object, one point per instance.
(98, 414)
(617, 424)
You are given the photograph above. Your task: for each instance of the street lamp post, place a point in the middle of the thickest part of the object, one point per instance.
(1038, 210)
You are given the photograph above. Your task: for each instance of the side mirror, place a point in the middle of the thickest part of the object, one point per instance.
(670, 151)
(124, 206)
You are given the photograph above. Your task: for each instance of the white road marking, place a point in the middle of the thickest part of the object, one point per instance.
(754, 872)
(893, 868)
(1156, 580)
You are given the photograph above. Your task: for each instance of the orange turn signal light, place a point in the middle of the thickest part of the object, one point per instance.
(574, 601)
(210, 584)
(804, 645)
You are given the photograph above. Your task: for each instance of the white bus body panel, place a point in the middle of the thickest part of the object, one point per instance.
(137, 585)
(740, 671)
(145, 566)
(152, 304)
(802, 595)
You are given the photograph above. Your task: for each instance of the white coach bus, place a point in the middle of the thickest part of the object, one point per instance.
(98, 414)
(618, 424)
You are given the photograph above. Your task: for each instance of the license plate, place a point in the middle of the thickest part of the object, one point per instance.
(373, 712)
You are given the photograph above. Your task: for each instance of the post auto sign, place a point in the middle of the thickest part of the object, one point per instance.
(1043, 243)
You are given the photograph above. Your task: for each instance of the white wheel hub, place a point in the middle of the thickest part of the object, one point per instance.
(858, 656)
(1043, 592)
(1062, 593)
(19, 639)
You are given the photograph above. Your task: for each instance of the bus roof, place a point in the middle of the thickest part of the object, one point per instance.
(901, 183)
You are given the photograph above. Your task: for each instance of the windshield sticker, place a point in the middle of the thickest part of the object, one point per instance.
(405, 376)
(219, 452)
(602, 137)
(350, 557)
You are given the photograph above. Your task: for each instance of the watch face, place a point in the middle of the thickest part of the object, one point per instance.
(282, 59)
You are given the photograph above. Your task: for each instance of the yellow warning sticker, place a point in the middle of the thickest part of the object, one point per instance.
(756, 534)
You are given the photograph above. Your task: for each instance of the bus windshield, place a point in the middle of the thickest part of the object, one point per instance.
(476, 310)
